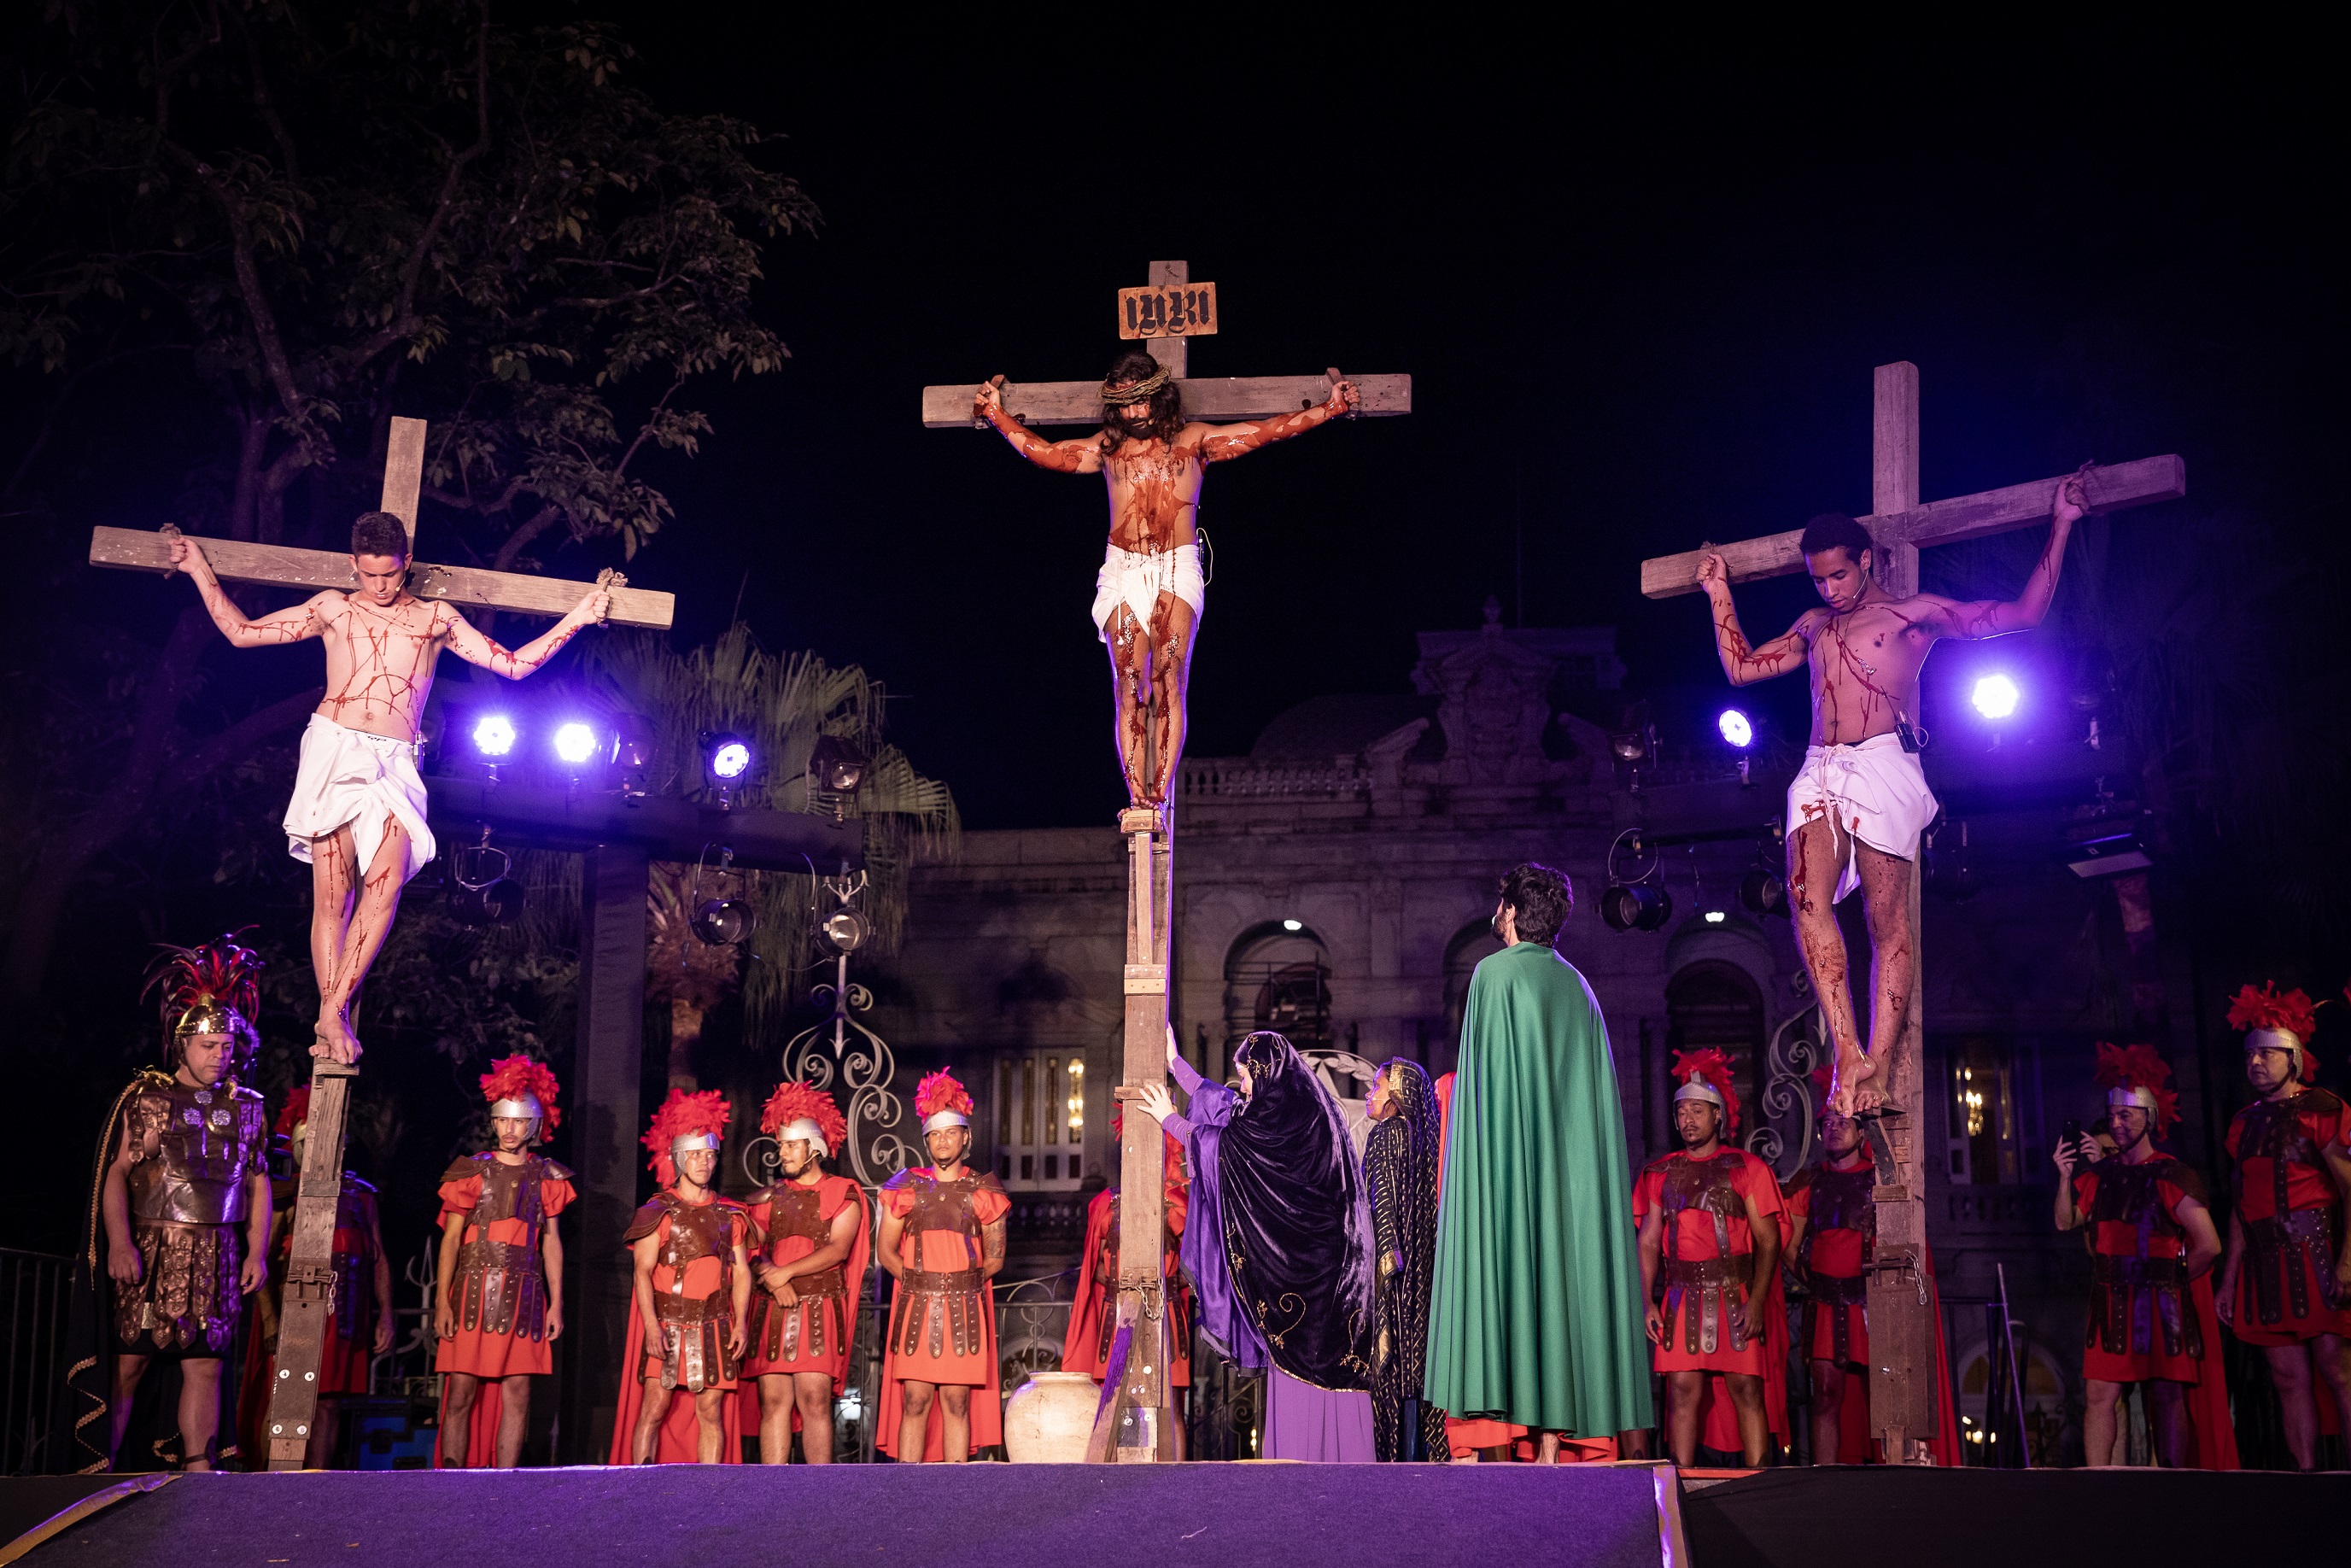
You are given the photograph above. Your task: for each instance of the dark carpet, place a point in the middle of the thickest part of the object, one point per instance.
(1074, 1516)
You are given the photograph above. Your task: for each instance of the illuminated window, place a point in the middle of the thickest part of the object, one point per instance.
(1040, 1122)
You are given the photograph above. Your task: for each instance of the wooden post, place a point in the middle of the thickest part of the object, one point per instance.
(403, 474)
(1902, 1390)
(1174, 352)
(1133, 1424)
(311, 1283)
(605, 1119)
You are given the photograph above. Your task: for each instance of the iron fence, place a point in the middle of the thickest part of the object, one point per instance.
(34, 1285)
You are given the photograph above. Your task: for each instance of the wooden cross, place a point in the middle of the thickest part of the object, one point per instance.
(281, 566)
(1134, 1422)
(1903, 1389)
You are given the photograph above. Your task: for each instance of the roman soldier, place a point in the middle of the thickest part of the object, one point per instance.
(357, 1329)
(942, 1241)
(2285, 1285)
(182, 1203)
(499, 1300)
(2152, 1246)
(1094, 1312)
(691, 1297)
(1709, 1243)
(812, 1240)
(1832, 1241)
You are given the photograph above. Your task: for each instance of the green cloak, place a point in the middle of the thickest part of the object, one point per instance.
(1535, 1311)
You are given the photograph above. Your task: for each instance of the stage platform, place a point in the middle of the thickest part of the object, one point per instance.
(1364, 1516)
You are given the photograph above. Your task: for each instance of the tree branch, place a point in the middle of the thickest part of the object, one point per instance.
(522, 536)
(414, 269)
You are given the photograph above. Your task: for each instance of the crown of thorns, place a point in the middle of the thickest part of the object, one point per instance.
(1138, 390)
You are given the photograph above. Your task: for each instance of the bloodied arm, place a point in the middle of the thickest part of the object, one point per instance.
(1968, 619)
(1080, 456)
(1741, 664)
(475, 649)
(1223, 441)
(295, 624)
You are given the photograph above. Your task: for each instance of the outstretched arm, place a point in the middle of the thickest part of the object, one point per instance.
(475, 649)
(296, 624)
(1080, 456)
(1977, 618)
(1224, 442)
(1742, 665)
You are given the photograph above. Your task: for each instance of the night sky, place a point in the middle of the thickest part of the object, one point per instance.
(1637, 313)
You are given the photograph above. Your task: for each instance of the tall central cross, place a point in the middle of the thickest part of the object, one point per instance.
(1902, 1384)
(1133, 1424)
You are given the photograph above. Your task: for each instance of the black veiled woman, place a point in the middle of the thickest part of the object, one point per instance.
(1400, 1169)
(1279, 1245)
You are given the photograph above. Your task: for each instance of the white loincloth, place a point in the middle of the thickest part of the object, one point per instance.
(1875, 791)
(347, 777)
(1137, 578)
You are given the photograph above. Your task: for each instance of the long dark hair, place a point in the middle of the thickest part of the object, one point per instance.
(1166, 403)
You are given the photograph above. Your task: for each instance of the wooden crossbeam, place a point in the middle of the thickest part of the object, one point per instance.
(2123, 485)
(282, 566)
(1213, 399)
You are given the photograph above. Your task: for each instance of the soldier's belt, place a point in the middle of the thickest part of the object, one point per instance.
(712, 1308)
(1841, 1289)
(1736, 1270)
(489, 1257)
(930, 1283)
(2157, 1273)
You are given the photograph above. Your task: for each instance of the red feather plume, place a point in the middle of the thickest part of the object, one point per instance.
(2138, 1067)
(1712, 1068)
(940, 1091)
(681, 1114)
(793, 1100)
(297, 1112)
(2265, 1008)
(223, 972)
(519, 1077)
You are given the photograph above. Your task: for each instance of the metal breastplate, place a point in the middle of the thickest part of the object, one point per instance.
(511, 1192)
(500, 1286)
(940, 1308)
(1696, 1286)
(192, 1151)
(944, 1206)
(1841, 1201)
(2288, 1248)
(797, 1210)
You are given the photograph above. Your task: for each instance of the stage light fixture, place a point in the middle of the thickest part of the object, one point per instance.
(481, 893)
(493, 735)
(1761, 891)
(835, 765)
(1637, 907)
(575, 743)
(845, 929)
(1995, 696)
(632, 750)
(2118, 849)
(723, 922)
(1736, 727)
(729, 756)
(1629, 746)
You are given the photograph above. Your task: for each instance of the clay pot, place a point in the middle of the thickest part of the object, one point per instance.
(1049, 1418)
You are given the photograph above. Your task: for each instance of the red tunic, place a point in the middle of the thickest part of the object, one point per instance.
(2292, 1217)
(1701, 1236)
(702, 1287)
(1093, 1315)
(942, 1323)
(2144, 1322)
(790, 1221)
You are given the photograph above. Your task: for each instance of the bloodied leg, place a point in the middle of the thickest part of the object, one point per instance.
(1150, 672)
(378, 897)
(1815, 851)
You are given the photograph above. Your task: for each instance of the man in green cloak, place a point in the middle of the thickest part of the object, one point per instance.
(1535, 1314)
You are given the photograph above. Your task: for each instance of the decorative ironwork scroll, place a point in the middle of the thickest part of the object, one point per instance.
(1785, 1131)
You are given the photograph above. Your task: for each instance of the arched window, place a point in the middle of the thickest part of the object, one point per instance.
(1472, 942)
(1278, 976)
(1715, 1003)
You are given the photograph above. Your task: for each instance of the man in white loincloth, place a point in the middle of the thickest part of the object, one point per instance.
(1860, 801)
(1148, 595)
(358, 813)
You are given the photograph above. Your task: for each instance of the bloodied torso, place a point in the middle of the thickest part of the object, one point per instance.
(192, 1151)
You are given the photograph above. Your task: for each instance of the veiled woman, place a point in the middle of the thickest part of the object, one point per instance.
(1280, 1248)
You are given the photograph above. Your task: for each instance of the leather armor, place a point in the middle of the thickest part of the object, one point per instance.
(1106, 1287)
(2279, 1245)
(778, 1332)
(693, 1329)
(942, 1306)
(2135, 1295)
(500, 1287)
(1697, 1288)
(1841, 1201)
(192, 1150)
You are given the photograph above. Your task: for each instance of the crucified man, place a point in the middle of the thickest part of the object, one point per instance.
(1860, 801)
(1148, 594)
(357, 811)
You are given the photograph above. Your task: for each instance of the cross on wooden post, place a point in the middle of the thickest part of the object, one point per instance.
(281, 566)
(1903, 1389)
(1135, 1421)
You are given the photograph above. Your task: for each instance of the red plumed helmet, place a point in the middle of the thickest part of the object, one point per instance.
(2293, 1012)
(2135, 1075)
(297, 1112)
(681, 1116)
(1707, 1075)
(212, 989)
(521, 1079)
(795, 1102)
(939, 1095)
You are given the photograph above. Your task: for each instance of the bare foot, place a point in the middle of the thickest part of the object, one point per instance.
(335, 1041)
(1854, 1068)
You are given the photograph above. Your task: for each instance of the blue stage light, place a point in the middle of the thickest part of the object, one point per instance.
(493, 735)
(1736, 729)
(729, 759)
(1995, 696)
(575, 743)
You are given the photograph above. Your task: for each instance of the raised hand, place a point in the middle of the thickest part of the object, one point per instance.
(1346, 399)
(594, 605)
(1172, 1052)
(986, 399)
(1154, 1102)
(2072, 498)
(2065, 1156)
(1713, 571)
